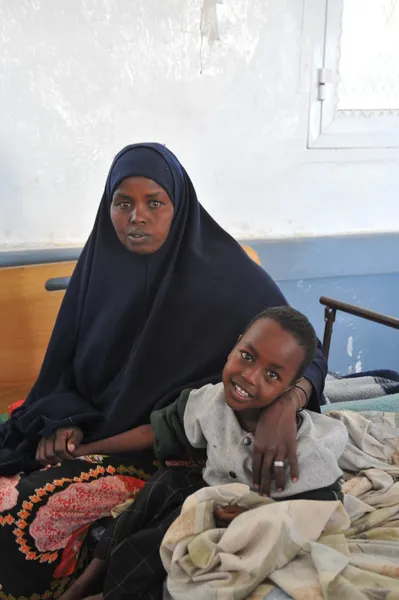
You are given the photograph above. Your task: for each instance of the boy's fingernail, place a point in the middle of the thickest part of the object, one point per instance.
(280, 489)
(294, 479)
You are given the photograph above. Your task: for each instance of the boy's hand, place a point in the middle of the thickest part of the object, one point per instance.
(275, 440)
(226, 514)
(60, 446)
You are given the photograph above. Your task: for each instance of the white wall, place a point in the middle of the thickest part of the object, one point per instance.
(81, 78)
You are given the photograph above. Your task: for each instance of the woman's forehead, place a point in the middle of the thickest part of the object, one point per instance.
(143, 161)
(139, 184)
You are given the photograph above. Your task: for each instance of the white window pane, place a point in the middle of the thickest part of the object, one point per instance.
(369, 57)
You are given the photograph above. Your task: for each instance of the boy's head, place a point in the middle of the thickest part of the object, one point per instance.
(271, 355)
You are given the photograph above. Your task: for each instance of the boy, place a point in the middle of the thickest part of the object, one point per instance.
(269, 358)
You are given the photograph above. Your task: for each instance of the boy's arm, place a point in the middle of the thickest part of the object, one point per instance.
(171, 439)
(133, 440)
(166, 435)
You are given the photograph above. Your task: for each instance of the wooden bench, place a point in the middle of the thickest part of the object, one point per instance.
(27, 315)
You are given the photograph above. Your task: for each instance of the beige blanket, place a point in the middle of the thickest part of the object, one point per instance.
(312, 550)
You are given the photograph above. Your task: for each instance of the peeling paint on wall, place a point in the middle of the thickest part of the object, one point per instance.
(349, 347)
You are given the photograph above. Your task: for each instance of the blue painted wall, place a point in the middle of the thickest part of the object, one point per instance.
(362, 270)
(373, 346)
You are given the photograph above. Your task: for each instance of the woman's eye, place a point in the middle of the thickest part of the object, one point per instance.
(155, 204)
(246, 356)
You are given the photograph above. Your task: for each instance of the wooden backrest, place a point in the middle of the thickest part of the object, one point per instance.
(27, 315)
(252, 254)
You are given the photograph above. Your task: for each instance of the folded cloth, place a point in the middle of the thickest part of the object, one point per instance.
(207, 563)
(360, 386)
(380, 403)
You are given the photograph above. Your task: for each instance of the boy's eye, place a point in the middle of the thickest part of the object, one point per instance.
(272, 375)
(246, 356)
(124, 205)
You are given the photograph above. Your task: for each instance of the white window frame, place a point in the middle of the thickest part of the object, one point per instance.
(325, 129)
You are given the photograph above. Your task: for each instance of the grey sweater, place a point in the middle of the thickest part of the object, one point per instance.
(202, 419)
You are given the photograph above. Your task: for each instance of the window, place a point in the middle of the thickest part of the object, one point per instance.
(355, 78)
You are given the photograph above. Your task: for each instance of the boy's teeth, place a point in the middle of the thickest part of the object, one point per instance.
(241, 391)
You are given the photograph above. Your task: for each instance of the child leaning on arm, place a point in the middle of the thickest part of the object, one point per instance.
(268, 359)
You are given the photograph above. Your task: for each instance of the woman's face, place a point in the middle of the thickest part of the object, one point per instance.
(141, 213)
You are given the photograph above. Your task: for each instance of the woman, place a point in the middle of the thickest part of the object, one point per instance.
(148, 312)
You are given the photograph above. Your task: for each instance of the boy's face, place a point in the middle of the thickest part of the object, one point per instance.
(262, 366)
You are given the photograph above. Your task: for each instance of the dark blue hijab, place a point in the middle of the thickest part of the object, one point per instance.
(134, 330)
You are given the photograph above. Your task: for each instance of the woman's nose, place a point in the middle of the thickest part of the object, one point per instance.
(137, 215)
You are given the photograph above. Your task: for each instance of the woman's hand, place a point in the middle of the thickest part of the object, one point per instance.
(60, 446)
(275, 440)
